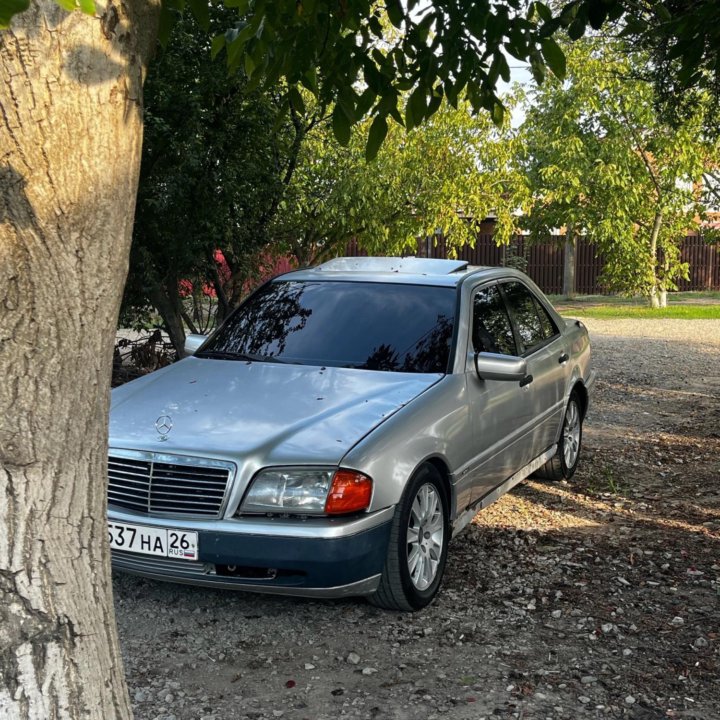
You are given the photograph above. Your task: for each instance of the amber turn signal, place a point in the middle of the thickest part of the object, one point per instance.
(350, 491)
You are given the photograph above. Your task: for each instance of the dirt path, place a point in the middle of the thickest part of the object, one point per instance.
(594, 599)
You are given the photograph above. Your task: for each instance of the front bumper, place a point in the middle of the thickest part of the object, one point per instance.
(331, 559)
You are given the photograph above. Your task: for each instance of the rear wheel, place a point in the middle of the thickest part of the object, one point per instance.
(417, 549)
(563, 464)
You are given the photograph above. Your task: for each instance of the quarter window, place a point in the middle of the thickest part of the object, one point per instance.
(532, 321)
(492, 331)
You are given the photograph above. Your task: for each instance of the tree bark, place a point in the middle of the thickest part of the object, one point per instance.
(663, 284)
(656, 297)
(223, 304)
(70, 133)
(189, 322)
(569, 263)
(170, 310)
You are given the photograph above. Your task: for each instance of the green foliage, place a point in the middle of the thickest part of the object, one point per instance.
(368, 57)
(601, 161)
(364, 54)
(445, 175)
(682, 39)
(554, 57)
(8, 8)
(211, 176)
(71, 5)
(172, 10)
(376, 137)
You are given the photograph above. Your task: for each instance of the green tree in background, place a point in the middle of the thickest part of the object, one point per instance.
(682, 38)
(213, 165)
(602, 161)
(446, 175)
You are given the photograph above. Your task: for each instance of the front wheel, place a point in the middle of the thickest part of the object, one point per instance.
(563, 464)
(418, 544)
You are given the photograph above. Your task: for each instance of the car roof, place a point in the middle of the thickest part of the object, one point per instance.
(408, 265)
(406, 270)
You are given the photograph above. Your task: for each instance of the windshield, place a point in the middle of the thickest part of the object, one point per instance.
(372, 326)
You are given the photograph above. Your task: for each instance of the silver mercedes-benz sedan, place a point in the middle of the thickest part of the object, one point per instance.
(341, 426)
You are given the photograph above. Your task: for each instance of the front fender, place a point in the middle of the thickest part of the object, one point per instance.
(434, 426)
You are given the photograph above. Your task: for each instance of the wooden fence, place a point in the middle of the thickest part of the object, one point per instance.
(543, 262)
(704, 260)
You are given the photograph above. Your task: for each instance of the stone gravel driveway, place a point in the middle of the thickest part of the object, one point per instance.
(594, 599)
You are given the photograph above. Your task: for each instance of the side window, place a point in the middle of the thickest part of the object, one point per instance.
(491, 328)
(533, 323)
(548, 324)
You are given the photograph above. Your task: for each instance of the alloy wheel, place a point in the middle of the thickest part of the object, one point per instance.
(571, 434)
(425, 536)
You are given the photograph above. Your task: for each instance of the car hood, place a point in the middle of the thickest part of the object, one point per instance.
(271, 413)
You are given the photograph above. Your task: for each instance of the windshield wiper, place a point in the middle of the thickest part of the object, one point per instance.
(220, 355)
(273, 359)
(223, 355)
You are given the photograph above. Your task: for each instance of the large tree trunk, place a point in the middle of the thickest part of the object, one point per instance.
(70, 133)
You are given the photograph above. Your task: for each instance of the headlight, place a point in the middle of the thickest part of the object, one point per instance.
(307, 491)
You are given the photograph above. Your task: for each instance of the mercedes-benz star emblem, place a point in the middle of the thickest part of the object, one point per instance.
(163, 425)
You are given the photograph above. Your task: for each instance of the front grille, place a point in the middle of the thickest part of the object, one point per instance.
(168, 485)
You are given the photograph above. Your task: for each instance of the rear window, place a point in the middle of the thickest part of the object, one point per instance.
(371, 326)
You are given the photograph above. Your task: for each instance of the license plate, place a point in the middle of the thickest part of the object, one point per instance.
(164, 542)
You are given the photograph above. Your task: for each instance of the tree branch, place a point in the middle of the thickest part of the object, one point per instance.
(711, 189)
(217, 282)
(643, 154)
(189, 321)
(300, 132)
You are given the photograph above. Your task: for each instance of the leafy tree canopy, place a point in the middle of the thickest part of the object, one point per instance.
(211, 176)
(364, 54)
(682, 39)
(446, 175)
(601, 160)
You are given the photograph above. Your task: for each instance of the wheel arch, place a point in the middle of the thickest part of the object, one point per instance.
(582, 393)
(444, 471)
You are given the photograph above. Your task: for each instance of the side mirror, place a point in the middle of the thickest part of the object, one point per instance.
(193, 342)
(492, 366)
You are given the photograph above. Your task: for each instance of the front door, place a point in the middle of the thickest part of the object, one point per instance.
(540, 343)
(499, 408)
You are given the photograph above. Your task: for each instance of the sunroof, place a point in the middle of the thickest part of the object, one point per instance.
(409, 265)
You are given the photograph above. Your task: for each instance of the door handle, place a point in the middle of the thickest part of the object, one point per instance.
(526, 380)
(563, 358)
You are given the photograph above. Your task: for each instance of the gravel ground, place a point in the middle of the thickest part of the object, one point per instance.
(598, 598)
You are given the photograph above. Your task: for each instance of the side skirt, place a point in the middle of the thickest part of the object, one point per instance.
(464, 519)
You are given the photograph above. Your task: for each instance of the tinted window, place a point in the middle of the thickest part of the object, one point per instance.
(492, 331)
(373, 326)
(532, 321)
(548, 324)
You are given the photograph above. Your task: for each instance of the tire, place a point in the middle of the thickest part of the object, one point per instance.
(415, 563)
(563, 464)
